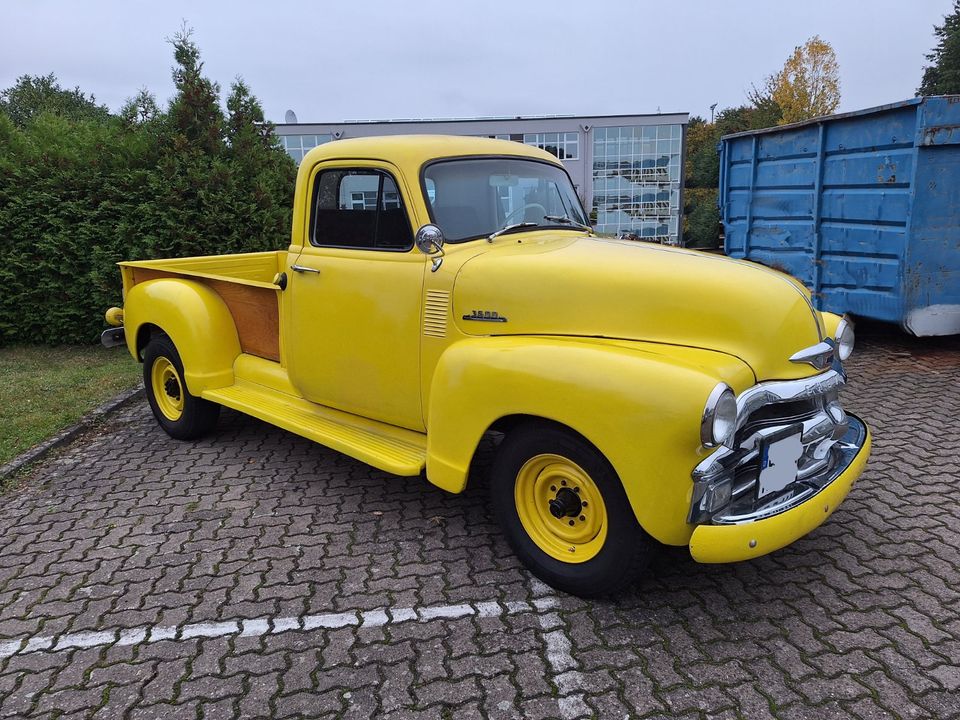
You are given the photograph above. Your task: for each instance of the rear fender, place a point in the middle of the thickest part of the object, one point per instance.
(195, 318)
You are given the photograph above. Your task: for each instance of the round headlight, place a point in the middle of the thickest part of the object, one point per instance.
(845, 338)
(719, 421)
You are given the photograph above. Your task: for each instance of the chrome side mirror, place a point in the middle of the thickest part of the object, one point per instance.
(429, 241)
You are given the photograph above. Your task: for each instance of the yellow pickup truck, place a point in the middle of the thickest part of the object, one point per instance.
(437, 289)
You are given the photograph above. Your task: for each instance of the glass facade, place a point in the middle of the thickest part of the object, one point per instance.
(299, 145)
(636, 181)
(565, 145)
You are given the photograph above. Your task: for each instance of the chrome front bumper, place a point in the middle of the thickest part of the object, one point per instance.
(726, 483)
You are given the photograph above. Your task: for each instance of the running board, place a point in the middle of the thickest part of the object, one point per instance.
(389, 448)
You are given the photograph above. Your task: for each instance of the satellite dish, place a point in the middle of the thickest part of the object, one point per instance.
(290, 118)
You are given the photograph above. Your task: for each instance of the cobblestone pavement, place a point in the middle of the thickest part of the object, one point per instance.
(257, 574)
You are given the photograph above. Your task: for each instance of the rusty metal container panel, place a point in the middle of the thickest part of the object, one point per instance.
(863, 208)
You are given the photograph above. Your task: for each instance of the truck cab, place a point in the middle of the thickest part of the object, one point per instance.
(437, 289)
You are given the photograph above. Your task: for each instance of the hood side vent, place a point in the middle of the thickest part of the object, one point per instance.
(436, 310)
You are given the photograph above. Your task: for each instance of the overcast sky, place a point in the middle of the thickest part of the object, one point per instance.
(377, 59)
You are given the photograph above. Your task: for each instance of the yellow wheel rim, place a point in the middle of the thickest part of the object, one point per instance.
(167, 388)
(561, 508)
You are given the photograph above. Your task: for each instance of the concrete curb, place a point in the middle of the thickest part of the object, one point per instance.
(37, 452)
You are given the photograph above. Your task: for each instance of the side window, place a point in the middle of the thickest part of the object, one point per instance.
(359, 209)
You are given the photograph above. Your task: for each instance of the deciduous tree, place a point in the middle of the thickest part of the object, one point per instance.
(808, 85)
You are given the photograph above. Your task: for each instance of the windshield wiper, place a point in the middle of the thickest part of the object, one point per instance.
(508, 228)
(567, 220)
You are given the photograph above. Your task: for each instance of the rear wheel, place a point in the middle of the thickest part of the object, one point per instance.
(180, 414)
(564, 512)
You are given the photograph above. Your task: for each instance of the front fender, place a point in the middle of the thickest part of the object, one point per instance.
(831, 321)
(641, 408)
(198, 322)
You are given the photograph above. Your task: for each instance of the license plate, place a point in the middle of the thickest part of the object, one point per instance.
(779, 456)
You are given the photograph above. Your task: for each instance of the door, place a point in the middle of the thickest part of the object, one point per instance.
(355, 292)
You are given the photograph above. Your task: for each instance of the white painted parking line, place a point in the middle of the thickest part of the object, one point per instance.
(560, 660)
(558, 651)
(257, 627)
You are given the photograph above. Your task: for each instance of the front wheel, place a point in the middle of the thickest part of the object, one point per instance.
(564, 512)
(182, 415)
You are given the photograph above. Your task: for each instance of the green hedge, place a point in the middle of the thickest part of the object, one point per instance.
(79, 195)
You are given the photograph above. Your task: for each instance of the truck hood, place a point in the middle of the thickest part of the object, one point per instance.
(555, 284)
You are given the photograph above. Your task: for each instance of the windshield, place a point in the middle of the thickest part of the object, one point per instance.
(474, 198)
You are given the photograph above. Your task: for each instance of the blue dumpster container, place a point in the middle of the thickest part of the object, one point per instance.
(863, 208)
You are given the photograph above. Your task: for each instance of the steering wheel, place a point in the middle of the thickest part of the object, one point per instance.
(522, 211)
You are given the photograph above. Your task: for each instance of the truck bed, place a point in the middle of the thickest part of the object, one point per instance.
(245, 283)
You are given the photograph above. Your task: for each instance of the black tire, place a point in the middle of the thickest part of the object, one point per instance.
(623, 553)
(197, 416)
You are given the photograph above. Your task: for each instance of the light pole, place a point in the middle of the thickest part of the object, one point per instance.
(712, 108)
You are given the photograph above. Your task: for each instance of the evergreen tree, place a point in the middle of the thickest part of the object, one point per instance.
(259, 164)
(194, 116)
(140, 109)
(942, 77)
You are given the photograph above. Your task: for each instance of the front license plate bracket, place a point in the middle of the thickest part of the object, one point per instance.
(780, 454)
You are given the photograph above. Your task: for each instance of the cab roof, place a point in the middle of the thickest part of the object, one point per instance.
(415, 150)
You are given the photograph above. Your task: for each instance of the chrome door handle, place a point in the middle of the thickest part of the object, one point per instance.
(304, 268)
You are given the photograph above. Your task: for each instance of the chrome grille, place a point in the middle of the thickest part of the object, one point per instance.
(820, 432)
(810, 405)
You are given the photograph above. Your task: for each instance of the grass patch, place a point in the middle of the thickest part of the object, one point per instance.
(44, 390)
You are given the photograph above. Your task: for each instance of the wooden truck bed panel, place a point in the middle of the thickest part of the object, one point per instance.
(245, 282)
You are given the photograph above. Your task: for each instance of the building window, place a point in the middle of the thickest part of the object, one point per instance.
(299, 145)
(636, 181)
(565, 145)
(362, 200)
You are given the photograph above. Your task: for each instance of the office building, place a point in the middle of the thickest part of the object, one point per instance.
(628, 169)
